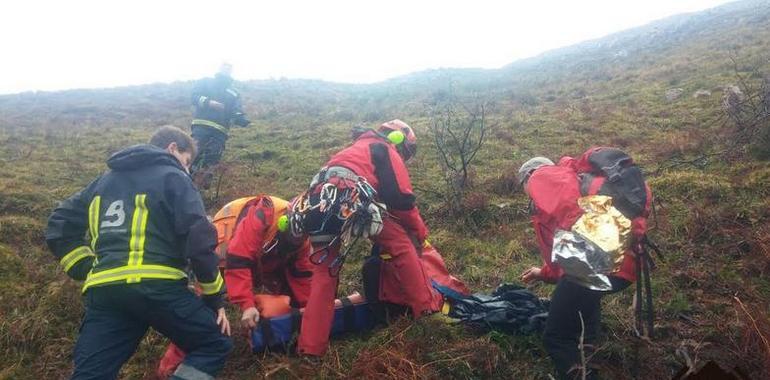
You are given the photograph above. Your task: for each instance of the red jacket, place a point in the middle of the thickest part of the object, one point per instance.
(377, 160)
(248, 264)
(554, 191)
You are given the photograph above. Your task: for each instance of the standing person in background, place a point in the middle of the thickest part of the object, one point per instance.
(146, 224)
(217, 107)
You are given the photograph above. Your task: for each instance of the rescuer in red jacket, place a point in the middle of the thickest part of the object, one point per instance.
(375, 159)
(554, 191)
(262, 252)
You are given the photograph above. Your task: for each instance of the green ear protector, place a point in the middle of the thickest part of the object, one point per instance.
(283, 223)
(396, 137)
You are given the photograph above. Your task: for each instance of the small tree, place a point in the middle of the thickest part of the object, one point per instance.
(747, 106)
(459, 130)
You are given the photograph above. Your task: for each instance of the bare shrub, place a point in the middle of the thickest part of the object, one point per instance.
(459, 129)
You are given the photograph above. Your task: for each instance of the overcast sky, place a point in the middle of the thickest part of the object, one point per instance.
(52, 45)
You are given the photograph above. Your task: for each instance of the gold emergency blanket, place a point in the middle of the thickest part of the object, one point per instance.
(604, 226)
(595, 245)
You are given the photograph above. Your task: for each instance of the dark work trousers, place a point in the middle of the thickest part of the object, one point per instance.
(211, 145)
(117, 318)
(562, 329)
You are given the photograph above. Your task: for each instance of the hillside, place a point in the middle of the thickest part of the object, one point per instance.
(655, 91)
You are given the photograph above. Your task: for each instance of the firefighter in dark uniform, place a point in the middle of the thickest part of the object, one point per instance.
(146, 224)
(217, 107)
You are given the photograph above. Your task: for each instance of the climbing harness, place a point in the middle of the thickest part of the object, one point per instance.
(354, 204)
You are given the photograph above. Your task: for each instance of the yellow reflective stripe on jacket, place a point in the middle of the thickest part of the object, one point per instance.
(138, 233)
(128, 273)
(211, 124)
(73, 257)
(93, 220)
(210, 288)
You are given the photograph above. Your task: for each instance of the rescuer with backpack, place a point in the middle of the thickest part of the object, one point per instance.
(363, 191)
(146, 224)
(589, 216)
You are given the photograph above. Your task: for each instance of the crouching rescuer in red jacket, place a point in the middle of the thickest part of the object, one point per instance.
(589, 216)
(263, 252)
(363, 191)
(257, 251)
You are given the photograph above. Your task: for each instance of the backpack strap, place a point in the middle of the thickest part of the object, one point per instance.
(643, 265)
(244, 211)
(586, 179)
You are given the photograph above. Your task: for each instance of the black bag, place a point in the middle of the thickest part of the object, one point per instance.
(511, 309)
(625, 181)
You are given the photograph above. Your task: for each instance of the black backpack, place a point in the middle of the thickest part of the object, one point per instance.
(626, 185)
(625, 181)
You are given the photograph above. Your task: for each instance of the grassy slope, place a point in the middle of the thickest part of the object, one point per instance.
(712, 220)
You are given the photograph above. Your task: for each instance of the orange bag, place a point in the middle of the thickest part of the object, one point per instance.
(270, 306)
(227, 218)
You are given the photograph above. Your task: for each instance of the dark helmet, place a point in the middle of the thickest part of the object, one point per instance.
(402, 136)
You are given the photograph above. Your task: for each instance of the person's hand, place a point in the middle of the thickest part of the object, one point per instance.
(250, 318)
(216, 105)
(223, 322)
(531, 275)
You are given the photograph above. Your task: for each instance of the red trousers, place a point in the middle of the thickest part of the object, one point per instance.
(170, 361)
(407, 273)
